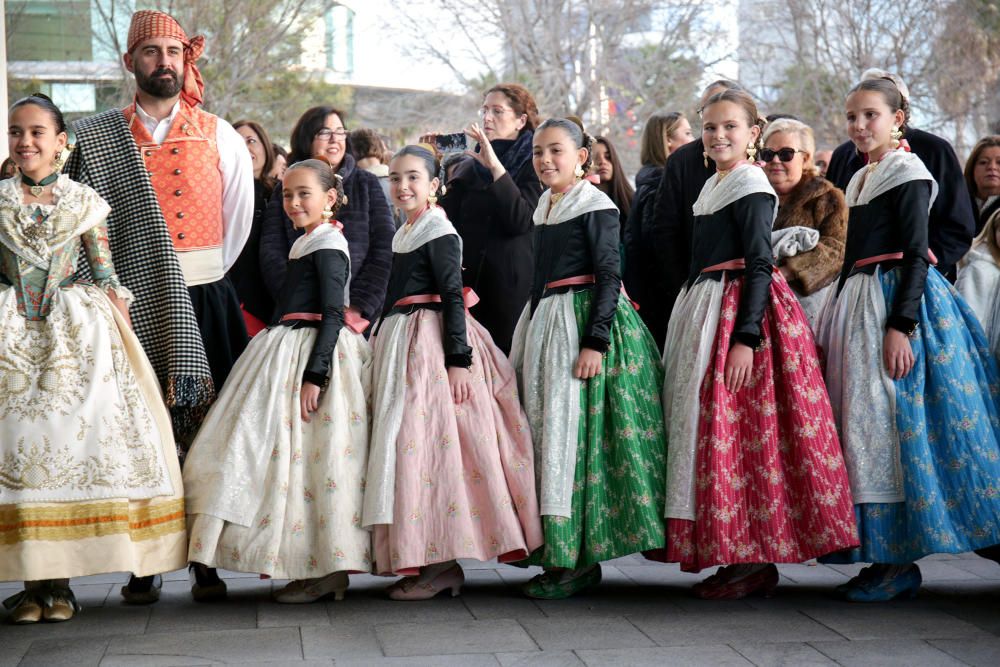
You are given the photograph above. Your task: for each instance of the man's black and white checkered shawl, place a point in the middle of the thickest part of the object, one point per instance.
(107, 159)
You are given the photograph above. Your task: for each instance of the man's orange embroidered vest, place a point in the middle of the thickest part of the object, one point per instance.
(186, 177)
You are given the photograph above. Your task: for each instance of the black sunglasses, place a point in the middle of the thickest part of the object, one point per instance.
(784, 154)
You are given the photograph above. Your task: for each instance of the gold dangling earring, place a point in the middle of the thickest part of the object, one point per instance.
(57, 164)
(894, 136)
(578, 172)
(432, 200)
(704, 158)
(751, 152)
(327, 213)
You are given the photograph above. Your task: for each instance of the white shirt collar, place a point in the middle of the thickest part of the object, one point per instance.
(159, 129)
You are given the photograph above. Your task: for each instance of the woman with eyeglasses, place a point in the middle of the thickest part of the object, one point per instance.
(367, 220)
(811, 228)
(491, 196)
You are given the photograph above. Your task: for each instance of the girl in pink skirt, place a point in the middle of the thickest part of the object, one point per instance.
(451, 469)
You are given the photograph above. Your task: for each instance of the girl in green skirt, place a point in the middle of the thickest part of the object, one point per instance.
(590, 379)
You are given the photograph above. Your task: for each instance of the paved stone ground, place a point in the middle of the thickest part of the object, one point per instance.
(642, 614)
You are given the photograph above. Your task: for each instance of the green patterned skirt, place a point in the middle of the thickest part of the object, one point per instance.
(618, 489)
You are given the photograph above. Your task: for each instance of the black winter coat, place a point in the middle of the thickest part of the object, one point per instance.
(952, 223)
(673, 221)
(368, 227)
(495, 223)
(585, 245)
(645, 275)
(315, 284)
(245, 272)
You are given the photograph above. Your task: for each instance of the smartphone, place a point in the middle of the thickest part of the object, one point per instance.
(451, 143)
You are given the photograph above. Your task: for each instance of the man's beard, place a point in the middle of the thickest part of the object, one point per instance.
(164, 88)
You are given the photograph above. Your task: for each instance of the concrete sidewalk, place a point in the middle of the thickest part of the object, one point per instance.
(642, 614)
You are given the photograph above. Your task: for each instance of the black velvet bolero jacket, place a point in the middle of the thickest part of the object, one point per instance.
(315, 284)
(740, 230)
(584, 245)
(894, 221)
(434, 268)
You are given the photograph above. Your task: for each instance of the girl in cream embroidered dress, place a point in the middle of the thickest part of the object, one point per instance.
(84, 438)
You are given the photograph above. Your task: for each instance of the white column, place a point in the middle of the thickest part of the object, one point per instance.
(3, 79)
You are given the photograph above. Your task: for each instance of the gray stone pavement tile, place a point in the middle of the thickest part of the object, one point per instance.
(271, 614)
(96, 595)
(668, 575)
(372, 606)
(976, 605)
(154, 661)
(979, 652)
(342, 640)
(486, 595)
(981, 567)
(886, 653)
(13, 648)
(566, 633)
(473, 564)
(416, 639)
(946, 570)
(911, 619)
(612, 600)
(732, 627)
(232, 646)
(676, 656)
(543, 659)
(91, 623)
(818, 574)
(58, 652)
(765, 654)
(469, 660)
(178, 612)
(109, 578)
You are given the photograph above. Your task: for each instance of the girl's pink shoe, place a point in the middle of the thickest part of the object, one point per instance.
(411, 588)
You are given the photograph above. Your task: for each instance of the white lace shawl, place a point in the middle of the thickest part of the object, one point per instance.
(745, 179)
(429, 225)
(324, 237)
(583, 197)
(894, 169)
(78, 208)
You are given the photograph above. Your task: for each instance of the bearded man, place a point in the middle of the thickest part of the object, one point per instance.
(180, 184)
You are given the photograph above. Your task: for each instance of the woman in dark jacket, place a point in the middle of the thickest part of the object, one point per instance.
(366, 217)
(256, 301)
(491, 197)
(644, 276)
(982, 176)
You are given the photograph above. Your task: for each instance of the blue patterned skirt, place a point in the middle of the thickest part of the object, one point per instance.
(948, 421)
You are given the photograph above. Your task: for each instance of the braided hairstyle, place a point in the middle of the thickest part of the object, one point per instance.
(574, 128)
(889, 88)
(328, 179)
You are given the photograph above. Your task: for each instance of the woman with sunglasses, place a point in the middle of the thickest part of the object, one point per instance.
(366, 217)
(809, 260)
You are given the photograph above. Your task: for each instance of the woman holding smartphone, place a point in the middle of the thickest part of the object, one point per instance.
(491, 196)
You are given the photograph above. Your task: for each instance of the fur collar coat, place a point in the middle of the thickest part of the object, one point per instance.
(815, 203)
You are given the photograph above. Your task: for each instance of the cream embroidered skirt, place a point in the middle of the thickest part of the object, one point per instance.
(89, 478)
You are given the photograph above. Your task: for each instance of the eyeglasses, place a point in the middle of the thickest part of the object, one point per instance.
(326, 134)
(496, 112)
(784, 154)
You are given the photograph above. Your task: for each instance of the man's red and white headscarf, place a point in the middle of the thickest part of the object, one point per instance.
(147, 24)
